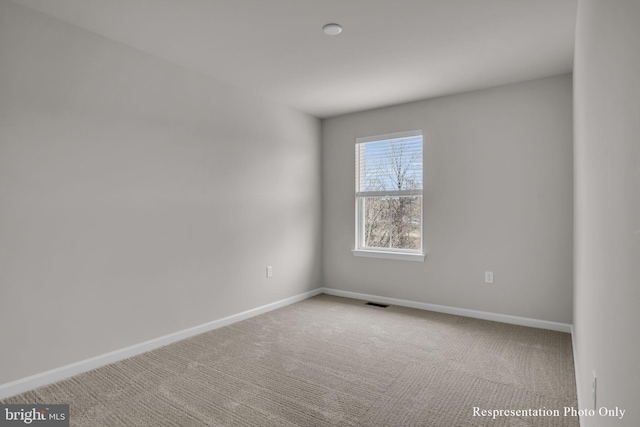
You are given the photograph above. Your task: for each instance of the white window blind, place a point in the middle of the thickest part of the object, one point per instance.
(389, 165)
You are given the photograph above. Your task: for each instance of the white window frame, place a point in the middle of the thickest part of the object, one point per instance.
(387, 253)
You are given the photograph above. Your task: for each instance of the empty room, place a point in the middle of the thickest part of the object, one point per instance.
(320, 213)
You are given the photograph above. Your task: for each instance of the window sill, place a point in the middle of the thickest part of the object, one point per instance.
(404, 256)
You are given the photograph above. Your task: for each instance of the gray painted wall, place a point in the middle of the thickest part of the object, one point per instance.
(498, 196)
(138, 198)
(607, 204)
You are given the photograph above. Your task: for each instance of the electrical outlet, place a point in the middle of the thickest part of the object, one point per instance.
(269, 271)
(594, 388)
(488, 277)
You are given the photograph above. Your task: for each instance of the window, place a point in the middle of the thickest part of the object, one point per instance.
(389, 196)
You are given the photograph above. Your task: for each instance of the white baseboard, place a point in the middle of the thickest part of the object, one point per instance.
(496, 317)
(57, 374)
(24, 384)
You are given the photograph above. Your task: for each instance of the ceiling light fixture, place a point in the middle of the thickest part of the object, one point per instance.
(332, 29)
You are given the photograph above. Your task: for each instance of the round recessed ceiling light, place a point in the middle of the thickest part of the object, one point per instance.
(332, 29)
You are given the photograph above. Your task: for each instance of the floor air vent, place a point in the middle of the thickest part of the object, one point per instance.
(375, 304)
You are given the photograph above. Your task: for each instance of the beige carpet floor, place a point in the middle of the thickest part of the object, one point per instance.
(330, 361)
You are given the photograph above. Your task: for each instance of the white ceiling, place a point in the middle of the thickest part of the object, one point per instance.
(390, 52)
